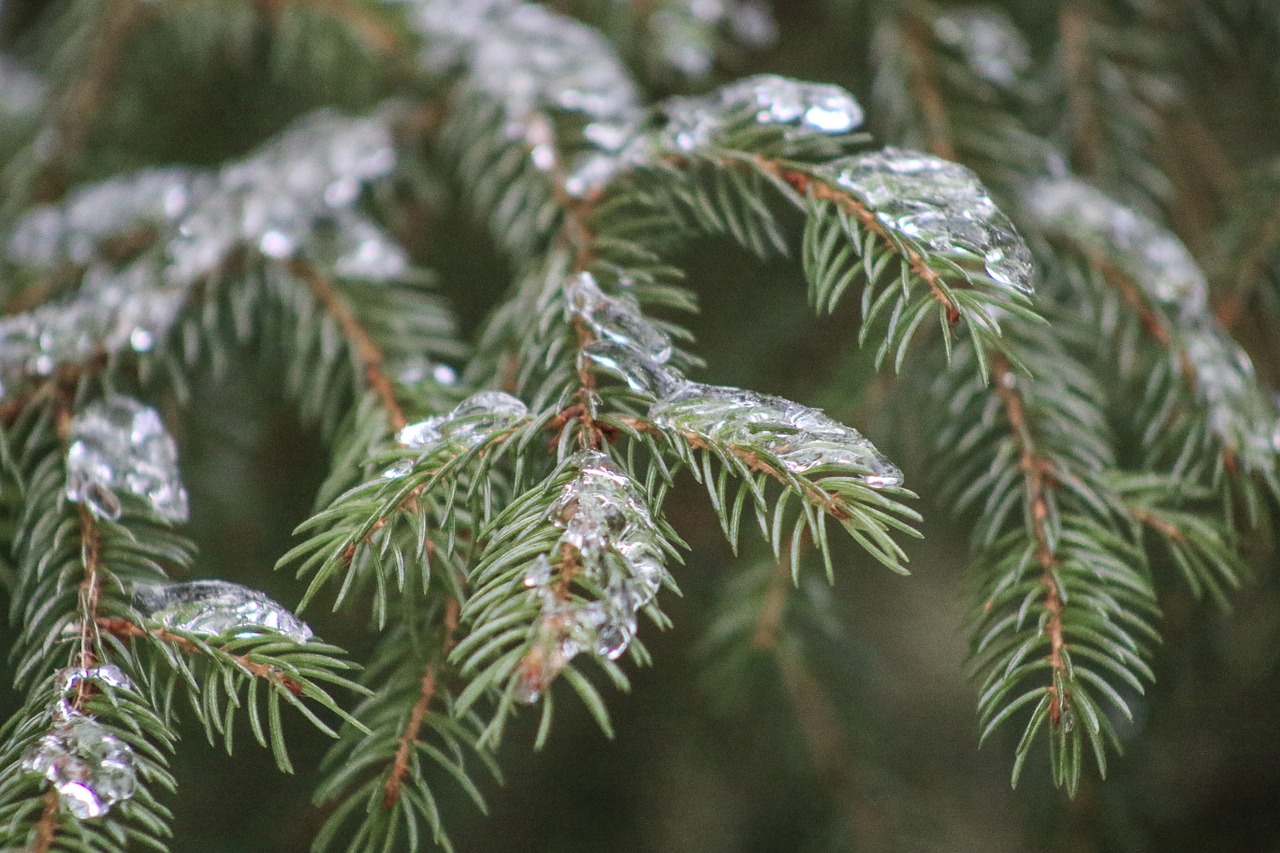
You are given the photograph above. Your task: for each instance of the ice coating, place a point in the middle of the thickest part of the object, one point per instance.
(1066, 209)
(615, 318)
(802, 438)
(641, 373)
(1226, 384)
(75, 229)
(292, 195)
(120, 445)
(801, 109)
(468, 425)
(91, 769)
(609, 532)
(538, 59)
(110, 675)
(685, 33)
(940, 204)
(212, 607)
(987, 39)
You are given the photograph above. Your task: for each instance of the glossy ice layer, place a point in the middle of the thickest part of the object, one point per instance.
(940, 204)
(120, 445)
(212, 607)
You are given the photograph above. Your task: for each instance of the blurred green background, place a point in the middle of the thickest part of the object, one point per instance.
(888, 742)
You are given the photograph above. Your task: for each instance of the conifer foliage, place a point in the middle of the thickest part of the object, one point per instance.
(1004, 227)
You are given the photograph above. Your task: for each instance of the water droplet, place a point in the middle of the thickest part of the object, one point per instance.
(141, 340)
(211, 607)
(110, 675)
(1143, 251)
(642, 374)
(120, 445)
(941, 205)
(91, 769)
(398, 470)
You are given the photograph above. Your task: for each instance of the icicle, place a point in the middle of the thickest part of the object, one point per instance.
(470, 424)
(118, 444)
(802, 110)
(642, 374)
(1155, 259)
(211, 607)
(988, 41)
(617, 319)
(803, 439)
(940, 204)
(91, 769)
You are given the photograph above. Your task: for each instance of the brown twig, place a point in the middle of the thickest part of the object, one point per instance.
(426, 693)
(368, 353)
(125, 629)
(1086, 135)
(1251, 267)
(922, 79)
(1037, 473)
(769, 619)
(84, 101)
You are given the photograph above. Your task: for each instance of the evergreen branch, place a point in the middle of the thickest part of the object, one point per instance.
(367, 352)
(86, 95)
(411, 723)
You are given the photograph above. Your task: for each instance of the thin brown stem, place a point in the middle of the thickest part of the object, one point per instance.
(1251, 269)
(1037, 474)
(125, 629)
(418, 714)
(769, 619)
(1086, 134)
(85, 100)
(922, 79)
(47, 826)
(368, 353)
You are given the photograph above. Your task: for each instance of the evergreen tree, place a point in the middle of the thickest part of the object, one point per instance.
(469, 241)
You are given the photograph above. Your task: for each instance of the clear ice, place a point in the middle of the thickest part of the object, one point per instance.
(607, 524)
(120, 445)
(91, 769)
(940, 204)
(1226, 384)
(802, 438)
(641, 373)
(468, 425)
(1153, 258)
(802, 110)
(988, 41)
(298, 193)
(615, 318)
(212, 607)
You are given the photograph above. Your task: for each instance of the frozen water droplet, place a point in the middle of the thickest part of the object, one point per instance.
(1148, 254)
(445, 375)
(470, 423)
(398, 470)
(617, 319)
(141, 340)
(91, 769)
(420, 434)
(120, 445)
(277, 244)
(988, 41)
(642, 375)
(940, 204)
(800, 109)
(211, 607)
(109, 675)
(539, 573)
